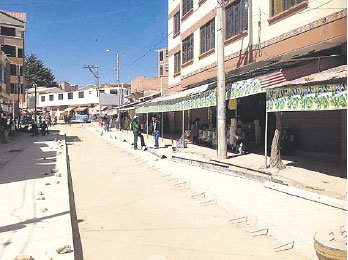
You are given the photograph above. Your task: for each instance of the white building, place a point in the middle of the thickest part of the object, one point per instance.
(84, 97)
(256, 32)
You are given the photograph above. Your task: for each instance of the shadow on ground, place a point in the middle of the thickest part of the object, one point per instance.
(36, 161)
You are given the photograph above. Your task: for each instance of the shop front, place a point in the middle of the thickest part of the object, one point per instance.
(314, 114)
(197, 108)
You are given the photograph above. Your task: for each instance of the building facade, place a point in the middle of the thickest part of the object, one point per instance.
(12, 39)
(256, 32)
(282, 59)
(6, 104)
(85, 97)
(163, 62)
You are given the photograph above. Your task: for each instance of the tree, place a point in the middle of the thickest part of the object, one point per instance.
(276, 161)
(35, 72)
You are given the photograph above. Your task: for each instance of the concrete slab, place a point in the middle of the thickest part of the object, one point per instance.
(291, 220)
(26, 228)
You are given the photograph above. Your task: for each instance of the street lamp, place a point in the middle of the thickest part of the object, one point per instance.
(118, 85)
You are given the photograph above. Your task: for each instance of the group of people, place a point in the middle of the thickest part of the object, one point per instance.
(44, 123)
(137, 132)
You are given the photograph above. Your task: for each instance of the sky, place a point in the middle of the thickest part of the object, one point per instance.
(67, 34)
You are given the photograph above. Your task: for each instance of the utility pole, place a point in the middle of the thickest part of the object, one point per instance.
(35, 86)
(96, 75)
(221, 88)
(19, 93)
(119, 91)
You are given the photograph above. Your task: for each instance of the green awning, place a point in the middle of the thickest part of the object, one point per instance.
(200, 97)
(307, 98)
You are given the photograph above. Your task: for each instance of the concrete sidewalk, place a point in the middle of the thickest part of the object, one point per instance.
(30, 226)
(318, 176)
(290, 219)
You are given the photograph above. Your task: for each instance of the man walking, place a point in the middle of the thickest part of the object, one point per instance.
(155, 130)
(135, 129)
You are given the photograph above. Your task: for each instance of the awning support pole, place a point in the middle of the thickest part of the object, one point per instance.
(266, 128)
(147, 125)
(162, 127)
(183, 125)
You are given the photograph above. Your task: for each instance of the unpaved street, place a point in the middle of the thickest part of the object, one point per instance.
(127, 210)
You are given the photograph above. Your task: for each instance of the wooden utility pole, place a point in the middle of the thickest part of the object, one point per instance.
(221, 88)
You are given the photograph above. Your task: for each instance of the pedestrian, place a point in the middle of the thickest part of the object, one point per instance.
(116, 121)
(135, 128)
(143, 146)
(34, 128)
(107, 123)
(43, 127)
(155, 130)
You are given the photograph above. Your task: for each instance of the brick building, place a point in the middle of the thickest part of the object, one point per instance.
(163, 62)
(12, 33)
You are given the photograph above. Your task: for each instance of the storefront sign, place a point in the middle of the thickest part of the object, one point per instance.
(198, 100)
(203, 99)
(307, 98)
(243, 88)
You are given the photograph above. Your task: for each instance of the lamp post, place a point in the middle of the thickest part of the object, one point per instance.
(118, 85)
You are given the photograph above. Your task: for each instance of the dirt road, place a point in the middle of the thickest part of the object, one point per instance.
(127, 210)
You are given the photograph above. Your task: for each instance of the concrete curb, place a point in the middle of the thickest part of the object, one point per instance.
(221, 168)
(326, 200)
(78, 253)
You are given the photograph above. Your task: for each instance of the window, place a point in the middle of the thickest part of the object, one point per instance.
(279, 6)
(176, 23)
(102, 91)
(161, 70)
(8, 31)
(13, 70)
(113, 91)
(51, 97)
(9, 50)
(236, 18)
(161, 55)
(187, 5)
(20, 53)
(177, 63)
(42, 98)
(208, 36)
(70, 95)
(20, 70)
(13, 88)
(60, 96)
(167, 67)
(81, 94)
(166, 53)
(187, 49)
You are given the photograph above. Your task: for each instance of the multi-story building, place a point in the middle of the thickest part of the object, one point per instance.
(279, 55)
(163, 62)
(151, 87)
(67, 86)
(12, 31)
(86, 97)
(256, 32)
(5, 100)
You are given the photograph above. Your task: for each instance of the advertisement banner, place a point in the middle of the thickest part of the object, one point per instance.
(307, 98)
